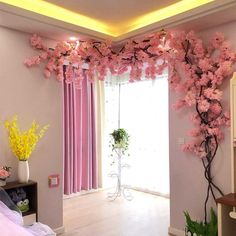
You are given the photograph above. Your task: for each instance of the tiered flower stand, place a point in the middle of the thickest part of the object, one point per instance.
(121, 189)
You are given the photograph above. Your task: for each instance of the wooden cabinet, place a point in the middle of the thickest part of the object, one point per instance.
(226, 224)
(227, 203)
(233, 130)
(31, 190)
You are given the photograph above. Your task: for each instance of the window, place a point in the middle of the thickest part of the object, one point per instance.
(142, 109)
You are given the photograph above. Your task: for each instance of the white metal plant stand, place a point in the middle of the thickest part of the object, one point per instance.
(121, 189)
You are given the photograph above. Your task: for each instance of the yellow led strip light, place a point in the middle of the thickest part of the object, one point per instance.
(164, 13)
(62, 14)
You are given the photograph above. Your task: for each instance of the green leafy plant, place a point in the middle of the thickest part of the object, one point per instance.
(120, 139)
(200, 228)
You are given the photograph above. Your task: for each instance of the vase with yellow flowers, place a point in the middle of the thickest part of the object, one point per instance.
(22, 144)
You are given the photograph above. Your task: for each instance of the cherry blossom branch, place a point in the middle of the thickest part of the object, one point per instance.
(204, 119)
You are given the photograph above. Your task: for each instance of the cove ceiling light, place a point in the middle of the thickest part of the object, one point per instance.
(56, 12)
(164, 13)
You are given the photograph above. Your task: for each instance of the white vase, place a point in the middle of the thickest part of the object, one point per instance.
(23, 171)
(2, 182)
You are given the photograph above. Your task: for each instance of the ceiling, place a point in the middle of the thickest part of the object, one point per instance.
(113, 12)
(117, 20)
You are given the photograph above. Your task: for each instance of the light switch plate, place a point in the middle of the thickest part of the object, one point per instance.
(181, 141)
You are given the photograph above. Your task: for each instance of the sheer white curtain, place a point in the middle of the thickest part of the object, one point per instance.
(99, 123)
(144, 113)
(111, 123)
(142, 109)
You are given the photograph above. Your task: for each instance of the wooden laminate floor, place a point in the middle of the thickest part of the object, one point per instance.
(94, 215)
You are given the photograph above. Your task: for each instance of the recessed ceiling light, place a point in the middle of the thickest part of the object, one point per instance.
(72, 38)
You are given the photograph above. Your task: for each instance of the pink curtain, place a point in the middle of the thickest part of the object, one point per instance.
(80, 163)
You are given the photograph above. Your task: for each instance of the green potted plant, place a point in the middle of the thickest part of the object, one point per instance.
(120, 139)
(200, 228)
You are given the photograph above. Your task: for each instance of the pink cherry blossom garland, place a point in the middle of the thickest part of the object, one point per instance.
(196, 72)
(101, 58)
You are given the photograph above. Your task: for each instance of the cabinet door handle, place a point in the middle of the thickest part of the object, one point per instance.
(232, 214)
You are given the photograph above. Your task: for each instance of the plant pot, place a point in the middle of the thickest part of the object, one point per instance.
(2, 182)
(118, 145)
(23, 171)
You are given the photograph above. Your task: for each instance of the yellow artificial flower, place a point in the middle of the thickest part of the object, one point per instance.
(23, 143)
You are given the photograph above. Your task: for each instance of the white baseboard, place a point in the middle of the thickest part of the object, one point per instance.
(59, 230)
(151, 192)
(81, 193)
(176, 232)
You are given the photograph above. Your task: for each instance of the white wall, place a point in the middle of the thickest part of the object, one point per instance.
(26, 93)
(187, 183)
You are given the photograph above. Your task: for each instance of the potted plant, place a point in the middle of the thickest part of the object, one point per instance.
(119, 144)
(4, 174)
(22, 144)
(120, 139)
(195, 228)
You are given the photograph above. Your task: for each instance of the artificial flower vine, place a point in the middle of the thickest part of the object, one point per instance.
(196, 72)
(100, 57)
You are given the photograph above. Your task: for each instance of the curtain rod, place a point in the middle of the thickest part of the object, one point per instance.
(84, 66)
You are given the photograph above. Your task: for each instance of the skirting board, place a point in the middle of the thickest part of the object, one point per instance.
(176, 232)
(59, 230)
